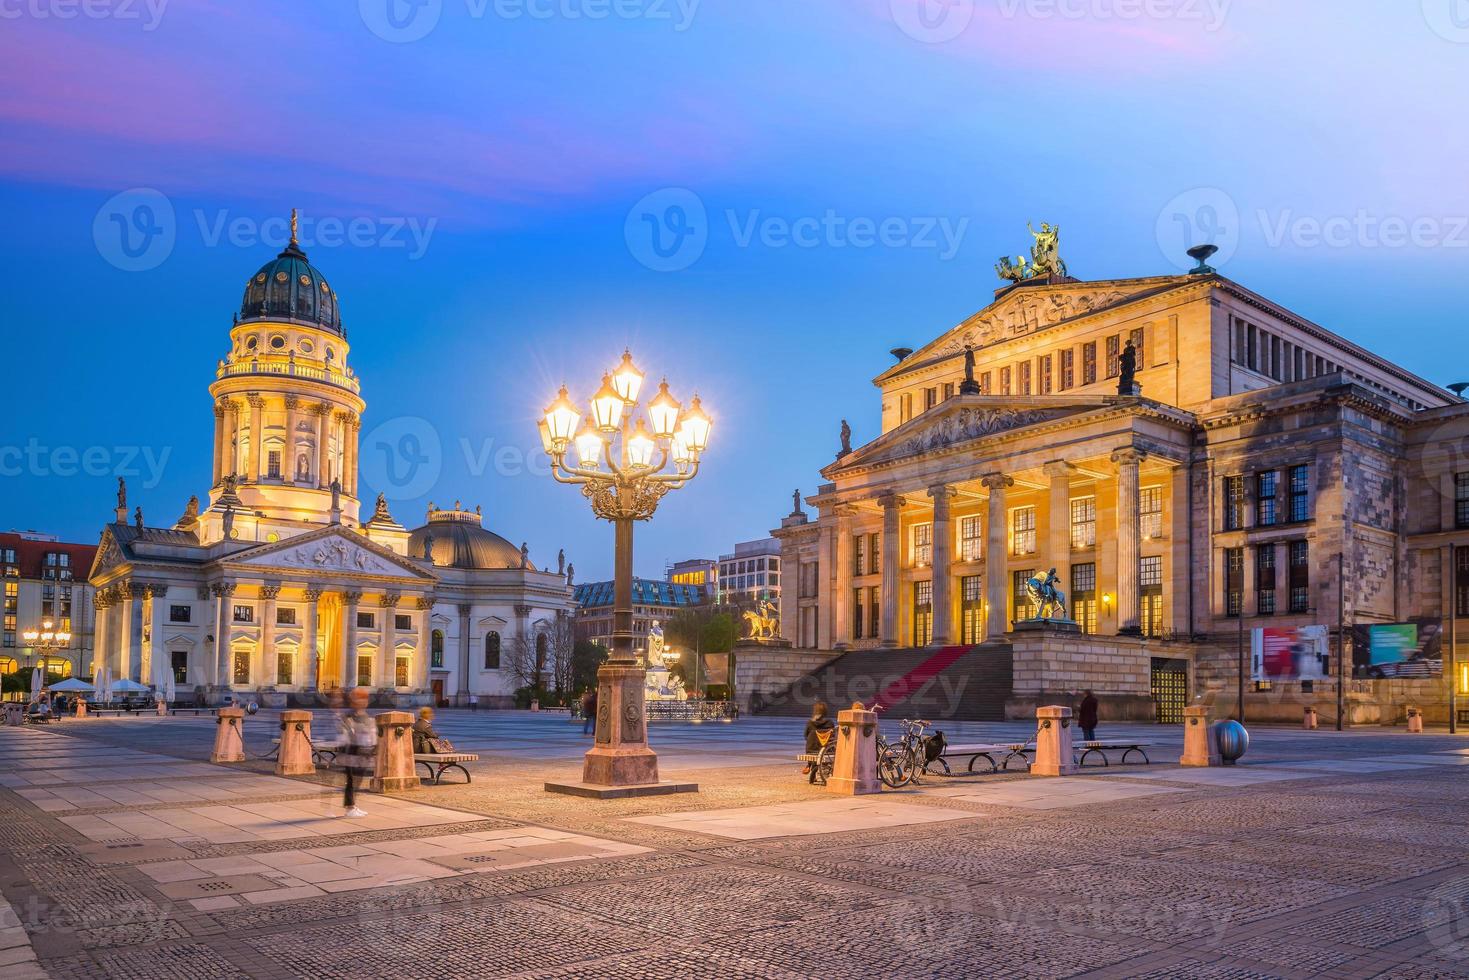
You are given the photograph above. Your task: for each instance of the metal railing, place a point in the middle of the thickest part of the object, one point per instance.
(290, 369)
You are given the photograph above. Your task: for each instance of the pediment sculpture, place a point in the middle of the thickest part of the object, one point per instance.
(972, 423)
(334, 553)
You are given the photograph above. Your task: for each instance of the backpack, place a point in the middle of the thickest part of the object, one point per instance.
(934, 746)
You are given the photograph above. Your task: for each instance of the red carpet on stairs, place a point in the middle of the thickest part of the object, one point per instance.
(912, 681)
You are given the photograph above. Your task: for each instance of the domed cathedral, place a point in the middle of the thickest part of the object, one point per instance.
(277, 588)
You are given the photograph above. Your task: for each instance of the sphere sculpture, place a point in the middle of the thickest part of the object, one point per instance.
(251, 708)
(1232, 739)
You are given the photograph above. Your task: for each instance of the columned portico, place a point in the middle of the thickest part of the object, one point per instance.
(997, 618)
(892, 505)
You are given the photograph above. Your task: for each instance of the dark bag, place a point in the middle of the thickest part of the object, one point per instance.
(438, 746)
(934, 746)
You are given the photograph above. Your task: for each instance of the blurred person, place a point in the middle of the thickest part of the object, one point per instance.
(1086, 716)
(359, 749)
(589, 711)
(818, 731)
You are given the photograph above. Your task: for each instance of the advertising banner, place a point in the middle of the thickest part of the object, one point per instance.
(1290, 653)
(1397, 650)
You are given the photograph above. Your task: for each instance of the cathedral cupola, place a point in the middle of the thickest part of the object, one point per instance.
(289, 289)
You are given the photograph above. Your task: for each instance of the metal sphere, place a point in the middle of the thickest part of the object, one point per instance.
(1232, 739)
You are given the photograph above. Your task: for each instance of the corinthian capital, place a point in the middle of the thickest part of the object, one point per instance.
(1128, 456)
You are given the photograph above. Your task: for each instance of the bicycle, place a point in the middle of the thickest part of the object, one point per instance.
(908, 760)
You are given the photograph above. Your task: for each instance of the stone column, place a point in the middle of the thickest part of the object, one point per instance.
(257, 431)
(101, 601)
(219, 445)
(1129, 608)
(156, 653)
(323, 436)
(825, 557)
(267, 670)
(288, 454)
(892, 505)
(1058, 524)
(310, 678)
(841, 606)
(387, 656)
(350, 430)
(424, 653)
(130, 629)
(349, 653)
(464, 610)
(942, 538)
(996, 558)
(222, 594)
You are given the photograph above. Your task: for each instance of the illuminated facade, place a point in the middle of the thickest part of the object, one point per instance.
(44, 579)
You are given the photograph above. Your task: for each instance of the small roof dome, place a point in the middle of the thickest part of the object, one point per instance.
(461, 541)
(289, 288)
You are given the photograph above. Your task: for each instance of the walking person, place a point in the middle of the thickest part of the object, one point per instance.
(1086, 716)
(588, 710)
(473, 701)
(359, 737)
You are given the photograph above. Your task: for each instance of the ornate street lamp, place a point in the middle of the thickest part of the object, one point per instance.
(625, 463)
(47, 640)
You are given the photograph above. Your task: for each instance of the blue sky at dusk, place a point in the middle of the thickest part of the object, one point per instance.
(503, 176)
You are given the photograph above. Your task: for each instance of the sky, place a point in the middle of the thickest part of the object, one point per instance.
(759, 197)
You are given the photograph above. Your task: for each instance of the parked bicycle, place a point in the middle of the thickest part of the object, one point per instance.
(912, 756)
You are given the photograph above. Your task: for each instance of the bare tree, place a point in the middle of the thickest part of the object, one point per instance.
(562, 643)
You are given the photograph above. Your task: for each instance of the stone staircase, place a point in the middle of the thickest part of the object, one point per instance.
(973, 687)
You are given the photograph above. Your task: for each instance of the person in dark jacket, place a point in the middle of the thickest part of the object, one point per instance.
(1086, 716)
(423, 730)
(818, 731)
(589, 711)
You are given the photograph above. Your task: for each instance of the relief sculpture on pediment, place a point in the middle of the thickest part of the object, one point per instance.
(971, 423)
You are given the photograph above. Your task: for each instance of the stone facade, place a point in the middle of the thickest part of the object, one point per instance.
(1261, 448)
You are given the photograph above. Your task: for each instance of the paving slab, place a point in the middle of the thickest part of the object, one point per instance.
(797, 819)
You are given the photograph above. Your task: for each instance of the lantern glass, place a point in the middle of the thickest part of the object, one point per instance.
(663, 412)
(607, 406)
(627, 380)
(589, 446)
(561, 418)
(680, 451)
(640, 446)
(694, 427)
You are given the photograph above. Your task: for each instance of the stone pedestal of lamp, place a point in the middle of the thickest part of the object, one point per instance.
(229, 736)
(620, 764)
(1198, 747)
(854, 763)
(294, 758)
(394, 769)
(1053, 742)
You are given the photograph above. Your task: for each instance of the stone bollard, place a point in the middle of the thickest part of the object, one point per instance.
(1415, 721)
(394, 769)
(294, 758)
(1053, 742)
(854, 766)
(1198, 747)
(229, 736)
(162, 706)
(1311, 721)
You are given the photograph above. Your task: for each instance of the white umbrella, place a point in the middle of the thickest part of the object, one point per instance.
(72, 685)
(38, 680)
(169, 694)
(104, 686)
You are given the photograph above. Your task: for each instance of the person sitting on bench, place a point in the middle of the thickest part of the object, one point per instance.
(425, 739)
(818, 731)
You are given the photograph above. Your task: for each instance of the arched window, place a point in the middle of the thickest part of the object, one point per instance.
(492, 651)
(436, 648)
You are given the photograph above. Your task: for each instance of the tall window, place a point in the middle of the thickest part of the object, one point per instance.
(859, 612)
(241, 672)
(859, 554)
(1114, 356)
(874, 611)
(1005, 380)
(1045, 373)
(1137, 342)
(1461, 581)
(1089, 362)
(1025, 377)
(874, 553)
(1266, 490)
(1300, 576)
(971, 540)
(1234, 503)
(971, 601)
(1461, 500)
(1022, 531)
(1150, 512)
(1234, 581)
(1265, 579)
(364, 671)
(1083, 523)
(492, 650)
(930, 398)
(922, 613)
(922, 545)
(1068, 369)
(284, 665)
(273, 464)
(1084, 596)
(436, 648)
(179, 660)
(984, 383)
(1020, 607)
(1150, 589)
(1300, 493)
(400, 672)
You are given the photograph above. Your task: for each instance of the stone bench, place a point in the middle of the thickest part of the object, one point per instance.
(988, 752)
(193, 711)
(438, 762)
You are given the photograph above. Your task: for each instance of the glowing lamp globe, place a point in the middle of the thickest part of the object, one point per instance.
(663, 412)
(694, 427)
(607, 406)
(561, 418)
(589, 445)
(627, 380)
(640, 446)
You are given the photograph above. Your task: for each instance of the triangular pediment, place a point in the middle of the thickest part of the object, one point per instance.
(965, 419)
(332, 550)
(109, 554)
(1026, 309)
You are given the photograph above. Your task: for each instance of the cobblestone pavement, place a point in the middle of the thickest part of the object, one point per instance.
(1329, 854)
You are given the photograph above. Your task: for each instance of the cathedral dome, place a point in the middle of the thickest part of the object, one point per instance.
(461, 541)
(290, 289)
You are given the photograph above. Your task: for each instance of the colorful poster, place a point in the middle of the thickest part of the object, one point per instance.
(1397, 650)
(1290, 653)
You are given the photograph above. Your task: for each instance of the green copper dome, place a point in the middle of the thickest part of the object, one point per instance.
(290, 289)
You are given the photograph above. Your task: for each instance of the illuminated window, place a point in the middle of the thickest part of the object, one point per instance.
(284, 663)
(1089, 362)
(971, 599)
(1083, 523)
(1020, 606)
(1265, 579)
(242, 668)
(364, 671)
(1114, 356)
(1150, 587)
(1150, 512)
(922, 613)
(1084, 596)
(400, 672)
(971, 541)
(1234, 503)
(1022, 531)
(922, 545)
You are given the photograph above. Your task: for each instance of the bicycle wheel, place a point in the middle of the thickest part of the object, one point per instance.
(892, 768)
(825, 762)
